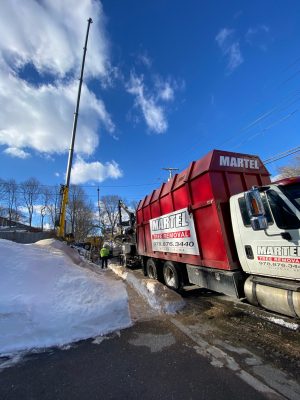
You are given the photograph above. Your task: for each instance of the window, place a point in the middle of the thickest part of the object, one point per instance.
(292, 192)
(283, 215)
(245, 215)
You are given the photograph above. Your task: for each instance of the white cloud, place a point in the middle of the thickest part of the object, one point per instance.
(41, 118)
(49, 36)
(83, 172)
(166, 91)
(144, 59)
(256, 30)
(223, 36)
(153, 113)
(235, 56)
(151, 98)
(15, 152)
(230, 48)
(258, 36)
(112, 76)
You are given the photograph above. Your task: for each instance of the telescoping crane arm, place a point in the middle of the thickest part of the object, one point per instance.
(65, 188)
(131, 215)
(64, 194)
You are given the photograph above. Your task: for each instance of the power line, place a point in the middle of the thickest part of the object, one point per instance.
(284, 118)
(290, 77)
(291, 64)
(282, 155)
(102, 186)
(137, 197)
(118, 186)
(290, 100)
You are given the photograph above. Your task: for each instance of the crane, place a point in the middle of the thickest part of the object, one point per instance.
(131, 215)
(64, 190)
(127, 237)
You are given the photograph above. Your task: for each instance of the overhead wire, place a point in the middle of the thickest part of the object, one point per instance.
(137, 197)
(284, 118)
(292, 98)
(291, 64)
(266, 114)
(290, 78)
(277, 107)
(284, 154)
(269, 112)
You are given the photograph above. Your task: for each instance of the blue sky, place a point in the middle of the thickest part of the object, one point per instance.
(165, 82)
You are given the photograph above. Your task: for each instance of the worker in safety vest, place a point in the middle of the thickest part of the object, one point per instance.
(104, 253)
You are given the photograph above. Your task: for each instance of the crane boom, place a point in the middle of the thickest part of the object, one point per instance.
(131, 215)
(65, 188)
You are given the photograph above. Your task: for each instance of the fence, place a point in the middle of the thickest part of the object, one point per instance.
(25, 237)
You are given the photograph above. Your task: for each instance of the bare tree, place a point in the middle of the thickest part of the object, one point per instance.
(17, 216)
(2, 189)
(290, 170)
(2, 198)
(102, 222)
(134, 205)
(53, 205)
(110, 211)
(45, 197)
(80, 214)
(30, 190)
(10, 190)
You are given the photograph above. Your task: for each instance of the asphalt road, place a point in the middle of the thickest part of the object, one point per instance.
(151, 360)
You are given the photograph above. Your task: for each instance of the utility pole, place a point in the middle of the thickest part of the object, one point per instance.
(170, 171)
(65, 188)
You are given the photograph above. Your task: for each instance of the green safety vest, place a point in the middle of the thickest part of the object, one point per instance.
(104, 252)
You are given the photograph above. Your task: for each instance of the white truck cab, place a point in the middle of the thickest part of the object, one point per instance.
(266, 228)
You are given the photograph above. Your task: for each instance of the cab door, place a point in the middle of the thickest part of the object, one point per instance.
(274, 251)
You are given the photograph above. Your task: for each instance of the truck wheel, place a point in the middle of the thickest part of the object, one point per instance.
(151, 269)
(172, 276)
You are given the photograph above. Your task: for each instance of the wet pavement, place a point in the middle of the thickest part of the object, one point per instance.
(151, 360)
(211, 349)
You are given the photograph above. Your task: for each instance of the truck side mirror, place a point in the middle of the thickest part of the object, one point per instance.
(256, 210)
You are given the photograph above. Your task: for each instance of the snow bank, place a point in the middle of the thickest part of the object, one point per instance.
(55, 247)
(47, 300)
(155, 293)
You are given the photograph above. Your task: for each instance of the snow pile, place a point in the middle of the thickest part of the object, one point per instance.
(155, 293)
(47, 300)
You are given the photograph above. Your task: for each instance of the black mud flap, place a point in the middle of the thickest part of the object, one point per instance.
(230, 283)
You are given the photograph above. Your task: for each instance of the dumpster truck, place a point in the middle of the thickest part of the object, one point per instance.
(221, 224)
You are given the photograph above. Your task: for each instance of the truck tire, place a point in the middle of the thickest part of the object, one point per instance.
(151, 269)
(172, 276)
